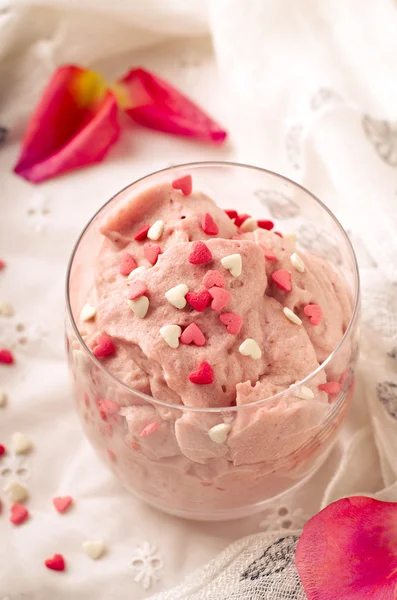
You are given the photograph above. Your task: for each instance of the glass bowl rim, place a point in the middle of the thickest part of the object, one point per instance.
(223, 409)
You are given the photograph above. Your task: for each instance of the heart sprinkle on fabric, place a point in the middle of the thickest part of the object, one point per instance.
(62, 503)
(142, 232)
(199, 300)
(6, 357)
(184, 184)
(208, 225)
(95, 549)
(137, 289)
(19, 514)
(193, 334)
(103, 346)
(282, 279)
(200, 254)
(203, 374)
(56, 563)
(151, 252)
(127, 264)
(314, 312)
(220, 297)
(16, 492)
(20, 443)
(214, 278)
(232, 321)
(331, 387)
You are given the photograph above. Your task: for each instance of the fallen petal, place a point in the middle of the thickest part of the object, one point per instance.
(154, 103)
(73, 125)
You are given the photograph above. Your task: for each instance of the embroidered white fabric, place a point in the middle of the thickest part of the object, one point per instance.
(307, 89)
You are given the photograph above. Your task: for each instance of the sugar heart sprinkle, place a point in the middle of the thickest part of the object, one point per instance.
(140, 306)
(297, 262)
(232, 321)
(303, 392)
(269, 255)
(171, 335)
(314, 312)
(176, 295)
(151, 252)
(62, 503)
(141, 234)
(208, 225)
(219, 433)
(156, 230)
(137, 289)
(231, 213)
(239, 220)
(149, 429)
(16, 492)
(200, 254)
(291, 316)
(103, 346)
(95, 549)
(127, 264)
(282, 279)
(20, 443)
(221, 298)
(250, 348)
(214, 279)
(233, 263)
(56, 563)
(184, 184)
(203, 375)
(19, 514)
(249, 225)
(265, 224)
(193, 334)
(88, 312)
(6, 357)
(331, 387)
(199, 300)
(110, 407)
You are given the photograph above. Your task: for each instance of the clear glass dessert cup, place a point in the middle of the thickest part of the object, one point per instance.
(269, 458)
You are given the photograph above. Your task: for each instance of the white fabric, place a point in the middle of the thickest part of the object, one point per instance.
(307, 89)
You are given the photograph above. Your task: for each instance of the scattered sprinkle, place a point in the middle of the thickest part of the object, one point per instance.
(16, 492)
(239, 220)
(184, 184)
(156, 231)
(282, 279)
(3, 399)
(6, 357)
(20, 443)
(297, 262)
(203, 374)
(62, 503)
(127, 264)
(233, 263)
(149, 429)
(109, 406)
(214, 278)
(221, 298)
(88, 312)
(103, 346)
(208, 225)
(19, 514)
(249, 225)
(219, 433)
(2, 450)
(171, 335)
(137, 289)
(232, 321)
(141, 234)
(200, 254)
(56, 563)
(265, 224)
(303, 392)
(95, 549)
(6, 309)
(151, 252)
(176, 295)
(278, 233)
(140, 306)
(331, 387)
(291, 316)
(193, 333)
(199, 300)
(250, 348)
(138, 272)
(314, 312)
(232, 214)
(2, 264)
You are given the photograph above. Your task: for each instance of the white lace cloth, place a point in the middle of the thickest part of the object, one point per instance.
(307, 89)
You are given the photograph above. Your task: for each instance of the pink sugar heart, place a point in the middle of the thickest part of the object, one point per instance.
(220, 297)
(151, 252)
(137, 289)
(208, 225)
(203, 374)
(184, 184)
(232, 321)
(314, 312)
(200, 254)
(127, 264)
(214, 279)
(198, 300)
(282, 279)
(331, 387)
(103, 347)
(193, 333)
(62, 503)
(19, 514)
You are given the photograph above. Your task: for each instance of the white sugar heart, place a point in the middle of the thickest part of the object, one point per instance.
(250, 348)
(249, 225)
(297, 262)
(20, 443)
(156, 230)
(171, 335)
(16, 491)
(219, 433)
(176, 295)
(94, 548)
(137, 273)
(88, 312)
(233, 263)
(291, 316)
(303, 392)
(140, 306)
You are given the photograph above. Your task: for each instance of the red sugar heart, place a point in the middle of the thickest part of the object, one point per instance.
(232, 214)
(198, 300)
(331, 387)
(265, 224)
(2, 450)
(19, 514)
(282, 279)
(314, 312)
(214, 278)
(184, 184)
(193, 333)
(56, 563)
(127, 264)
(203, 374)
(104, 346)
(220, 298)
(239, 220)
(208, 225)
(151, 252)
(200, 254)
(62, 503)
(6, 357)
(141, 234)
(137, 289)
(232, 321)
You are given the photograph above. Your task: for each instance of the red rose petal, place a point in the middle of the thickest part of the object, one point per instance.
(104, 346)
(314, 312)
(137, 289)
(208, 225)
(265, 224)
(199, 300)
(56, 563)
(282, 279)
(2, 450)
(200, 254)
(192, 333)
(141, 234)
(62, 503)
(154, 103)
(348, 551)
(232, 214)
(151, 252)
(220, 297)
(331, 387)
(233, 322)
(203, 374)
(6, 357)
(214, 278)
(184, 184)
(19, 514)
(127, 264)
(239, 220)
(73, 125)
